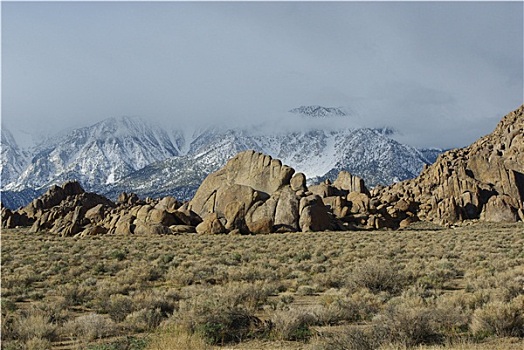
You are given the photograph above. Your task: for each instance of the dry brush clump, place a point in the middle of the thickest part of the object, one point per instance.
(89, 327)
(219, 316)
(500, 319)
(405, 288)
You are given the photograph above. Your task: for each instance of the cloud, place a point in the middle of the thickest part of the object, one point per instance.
(424, 68)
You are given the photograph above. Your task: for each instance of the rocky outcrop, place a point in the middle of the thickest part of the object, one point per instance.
(483, 181)
(254, 193)
(246, 178)
(68, 210)
(211, 225)
(15, 219)
(314, 215)
(350, 183)
(54, 196)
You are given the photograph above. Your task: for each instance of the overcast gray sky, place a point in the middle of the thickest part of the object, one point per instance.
(442, 73)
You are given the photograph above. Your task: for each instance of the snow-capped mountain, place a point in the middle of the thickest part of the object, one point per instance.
(128, 154)
(431, 154)
(320, 111)
(13, 159)
(319, 154)
(97, 155)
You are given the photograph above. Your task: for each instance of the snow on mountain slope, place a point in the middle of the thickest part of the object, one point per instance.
(128, 154)
(319, 154)
(13, 159)
(320, 112)
(431, 154)
(97, 155)
(375, 157)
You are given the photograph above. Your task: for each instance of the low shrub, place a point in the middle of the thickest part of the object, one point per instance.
(349, 338)
(231, 325)
(500, 319)
(175, 337)
(293, 325)
(118, 307)
(38, 344)
(218, 319)
(405, 324)
(89, 327)
(35, 326)
(378, 276)
(144, 319)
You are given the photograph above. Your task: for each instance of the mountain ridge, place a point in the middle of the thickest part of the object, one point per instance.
(127, 154)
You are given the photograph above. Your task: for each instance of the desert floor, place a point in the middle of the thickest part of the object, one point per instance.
(425, 287)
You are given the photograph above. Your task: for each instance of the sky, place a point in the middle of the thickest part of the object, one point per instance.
(440, 73)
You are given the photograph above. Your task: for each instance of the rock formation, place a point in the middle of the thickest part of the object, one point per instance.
(68, 210)
(483, 181)
(254, 193)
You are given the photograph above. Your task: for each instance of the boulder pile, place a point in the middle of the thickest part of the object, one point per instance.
(484, 181)
(68, 210)
(256, 194)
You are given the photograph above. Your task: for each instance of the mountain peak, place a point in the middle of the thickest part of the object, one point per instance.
(319, 111)
(7, 138)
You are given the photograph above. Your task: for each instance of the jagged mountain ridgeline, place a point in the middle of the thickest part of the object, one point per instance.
(130, 155)
(254, 193)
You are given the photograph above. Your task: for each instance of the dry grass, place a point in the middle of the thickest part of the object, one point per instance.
(421, 288)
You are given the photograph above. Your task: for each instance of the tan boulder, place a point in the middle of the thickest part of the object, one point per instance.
(258, 171)
(314, 215)
(346, 181)
(185, 216)
(404, 205)
(407, 221)
(298, 182)
(338, 205)
(124, 225)
(448, 212)
(143, 213)
(93, 230)
(96, 214)
(359, 202)
(287, 210)
(501, 208)
(261, 226)
(234, 214)
(182, 229)
(242, 194)
(161, 217)
(323, 190)
(211, 225)
(246, 178)
(128, 198)
(263, 209)
(169, 204)
(143, 228)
